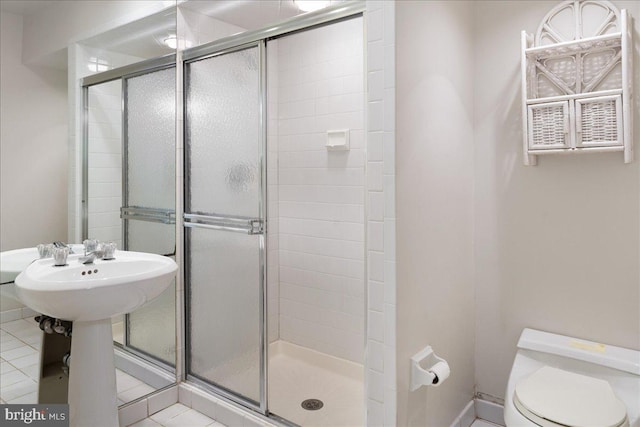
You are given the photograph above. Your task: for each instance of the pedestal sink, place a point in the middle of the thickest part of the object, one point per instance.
(89, 295)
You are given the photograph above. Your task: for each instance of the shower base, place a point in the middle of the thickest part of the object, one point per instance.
(297, 374)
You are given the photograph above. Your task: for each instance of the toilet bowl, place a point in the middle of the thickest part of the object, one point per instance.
(559, 381)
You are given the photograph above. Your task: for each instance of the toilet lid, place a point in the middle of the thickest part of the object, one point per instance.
(568, 399)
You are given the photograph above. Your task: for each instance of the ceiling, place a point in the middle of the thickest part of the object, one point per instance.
(142, 38)
(248, 14)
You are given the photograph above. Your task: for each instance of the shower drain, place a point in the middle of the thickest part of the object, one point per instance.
(312, 404)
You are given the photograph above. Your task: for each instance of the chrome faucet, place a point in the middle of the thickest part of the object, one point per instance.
(91, 256)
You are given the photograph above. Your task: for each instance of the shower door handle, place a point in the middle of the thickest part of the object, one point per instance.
(163, 216)
(253, 226)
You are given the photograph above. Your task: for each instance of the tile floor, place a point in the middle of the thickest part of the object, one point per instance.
(178, 415)
(20, 342)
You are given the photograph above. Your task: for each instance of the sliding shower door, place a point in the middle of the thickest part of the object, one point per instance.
(148, 210)
(224, 223)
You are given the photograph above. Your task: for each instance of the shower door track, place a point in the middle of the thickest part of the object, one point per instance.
(259, 38)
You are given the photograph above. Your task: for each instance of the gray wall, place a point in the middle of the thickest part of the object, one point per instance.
(434, 163)
(557, 246)
(33, 130)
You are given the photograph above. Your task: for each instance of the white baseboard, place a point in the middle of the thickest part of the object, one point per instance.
(140, 409)
(490, 411)
(466, 417)
(219, 409)
(481, 409)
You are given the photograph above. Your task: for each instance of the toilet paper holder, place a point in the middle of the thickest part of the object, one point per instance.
(436, 371)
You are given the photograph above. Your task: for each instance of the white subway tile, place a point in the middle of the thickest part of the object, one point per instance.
(375, 409)
(389, 239)
(375, 116)
(375, 262)
(389, 354)
(375, 146)
(390, 407)
(374, 27)
(356, 138)
(376, 296)
(390, 323)
(389, 22)
(296, 109)
(376, 235)
(375, 180)
(390, 76)
(375, 326)
(375, 355)
(389, 282)
(389, 110)
(375, 385)
(375, 85)
(389, 151)
(375, 55)
(376, 206)
(354, 84)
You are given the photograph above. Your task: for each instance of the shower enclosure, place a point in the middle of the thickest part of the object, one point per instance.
(274, 249)
(272, 221)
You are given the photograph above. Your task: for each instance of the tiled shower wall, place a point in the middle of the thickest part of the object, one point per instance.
(380, 376)
(106, 130)
(105, 162)
(320, 193)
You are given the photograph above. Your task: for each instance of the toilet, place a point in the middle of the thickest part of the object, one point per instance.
(560, 381)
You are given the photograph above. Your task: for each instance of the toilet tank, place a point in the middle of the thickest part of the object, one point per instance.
(622, 359)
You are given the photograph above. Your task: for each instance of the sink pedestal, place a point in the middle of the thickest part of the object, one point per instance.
(92, 375)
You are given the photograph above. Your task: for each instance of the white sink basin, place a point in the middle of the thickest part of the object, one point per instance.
(14, 262)
(89, 294)
(100, 290)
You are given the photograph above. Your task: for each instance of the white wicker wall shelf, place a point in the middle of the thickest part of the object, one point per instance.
(577, 81)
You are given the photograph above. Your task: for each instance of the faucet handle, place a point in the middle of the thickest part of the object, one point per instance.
(60, 256)
(45, 251)
(108, 250)
(90, 245)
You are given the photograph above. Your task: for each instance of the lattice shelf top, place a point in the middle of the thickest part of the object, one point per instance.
(574, 46)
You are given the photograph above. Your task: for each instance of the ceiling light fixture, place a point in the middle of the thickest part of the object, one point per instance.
(171, 41)
(311, 5)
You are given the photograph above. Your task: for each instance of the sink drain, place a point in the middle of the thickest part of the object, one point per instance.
(312, 404)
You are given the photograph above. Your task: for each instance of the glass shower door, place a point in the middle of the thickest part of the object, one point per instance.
(149, 202)
(224, 224)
